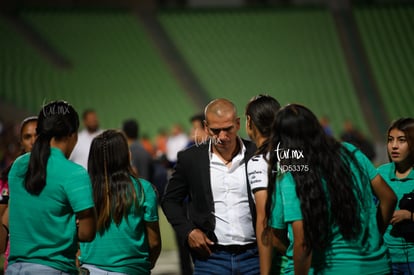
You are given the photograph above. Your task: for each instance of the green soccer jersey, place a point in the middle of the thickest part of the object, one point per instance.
(124, 248)
(401, 250)
(43, 227)
(366, 255)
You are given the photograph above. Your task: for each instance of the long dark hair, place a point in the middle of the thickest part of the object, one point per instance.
(405, 125)
(110, 170)
(58, 120)
(262, 110)
(336, 202)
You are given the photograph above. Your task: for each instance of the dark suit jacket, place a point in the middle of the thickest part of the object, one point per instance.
(191, 179)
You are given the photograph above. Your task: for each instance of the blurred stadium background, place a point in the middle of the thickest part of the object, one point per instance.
(161, 61)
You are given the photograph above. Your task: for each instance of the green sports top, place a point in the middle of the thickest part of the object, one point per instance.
(401, 250)
(43, 227)
(366, 255)
(124, 248)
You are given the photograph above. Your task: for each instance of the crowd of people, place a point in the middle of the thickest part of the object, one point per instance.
(292, 199)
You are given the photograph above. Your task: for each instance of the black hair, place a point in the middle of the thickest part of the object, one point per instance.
(262, 110)
(198, 117)
(131, 128)
(58, 120)
(328, 190)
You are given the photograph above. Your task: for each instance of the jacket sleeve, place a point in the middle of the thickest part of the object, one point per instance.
(173, 202)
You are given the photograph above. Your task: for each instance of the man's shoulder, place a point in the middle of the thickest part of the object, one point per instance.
(136, 145)
(194, 149)
(82, 133)
(83, 137)
(137, 149)
(198, 147)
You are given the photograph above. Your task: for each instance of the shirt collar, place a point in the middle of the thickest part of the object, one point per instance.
(56, 151)
(393, 177)
(241, 152)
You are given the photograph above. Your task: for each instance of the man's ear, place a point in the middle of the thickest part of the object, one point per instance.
(205, 127)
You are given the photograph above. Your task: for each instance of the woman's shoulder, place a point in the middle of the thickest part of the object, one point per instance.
(285, 181)
(256, 161)
(22, 160)
(19, 166)
(143, 186)
(360, 157)
(143, 183)
(70, 171)
(385, 167)
(64, 164)
(75, 168)
(350, 147)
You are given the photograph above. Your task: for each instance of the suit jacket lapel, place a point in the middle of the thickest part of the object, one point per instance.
(204, 164)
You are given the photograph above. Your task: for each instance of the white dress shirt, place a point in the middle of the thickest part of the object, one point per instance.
(174, 145)
(80, 153)
(231, 203)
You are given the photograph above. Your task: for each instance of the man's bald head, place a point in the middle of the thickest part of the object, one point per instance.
(220, 107)
(222, 125)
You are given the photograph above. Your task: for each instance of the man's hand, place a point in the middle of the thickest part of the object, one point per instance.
(199, 242)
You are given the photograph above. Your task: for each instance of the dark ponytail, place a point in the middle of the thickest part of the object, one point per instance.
(36, 174)
(56, 120)
(262, 110)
